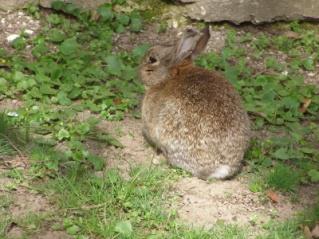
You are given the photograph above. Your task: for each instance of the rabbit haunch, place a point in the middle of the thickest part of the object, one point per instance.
(194, 116)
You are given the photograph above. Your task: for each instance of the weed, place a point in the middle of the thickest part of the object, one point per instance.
(283, 177)
(73, 60)
(111, 206)
(105, 202)
(287, 230)
(152, 9)
(5, 219)
(10, 137)
(290, 228)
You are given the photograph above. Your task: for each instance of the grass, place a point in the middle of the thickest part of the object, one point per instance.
(111, 207)
(5, 219)
(291, 228)
(70, 67)
(10, 138)
(283, 177)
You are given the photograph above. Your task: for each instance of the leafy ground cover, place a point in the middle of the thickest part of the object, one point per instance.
(70, 66)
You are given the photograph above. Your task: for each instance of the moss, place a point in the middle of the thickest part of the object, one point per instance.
(153, 8)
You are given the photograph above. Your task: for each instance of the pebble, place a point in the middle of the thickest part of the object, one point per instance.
(28, 32)
(285, 73)
(13, 114)
(12, 37)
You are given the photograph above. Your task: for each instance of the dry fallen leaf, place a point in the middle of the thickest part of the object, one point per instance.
(305, 105)
(315, 232)
(307, 233)
(273, 196)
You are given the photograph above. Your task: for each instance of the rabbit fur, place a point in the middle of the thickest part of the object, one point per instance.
(192, 115)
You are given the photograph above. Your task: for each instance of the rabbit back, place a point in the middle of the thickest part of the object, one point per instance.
(196, 119)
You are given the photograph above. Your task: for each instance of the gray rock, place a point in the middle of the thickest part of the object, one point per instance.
(85, 4)
(6, 5)
(255, 11)
(18, 4)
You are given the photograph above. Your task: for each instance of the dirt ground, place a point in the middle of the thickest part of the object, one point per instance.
(198, 203)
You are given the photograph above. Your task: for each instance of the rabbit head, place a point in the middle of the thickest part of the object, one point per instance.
(160, 60)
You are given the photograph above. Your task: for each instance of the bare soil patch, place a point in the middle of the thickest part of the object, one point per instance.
(53, 235)
(25, 202)
(128, 41)
(203, 203)
(22, 202)
(16, 22)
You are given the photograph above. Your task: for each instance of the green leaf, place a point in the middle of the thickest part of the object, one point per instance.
(63, 99)
(105, 12)
(109, 139)
(83, 128)
(69, 46)
(140, 51)
(26, 84)
(73, 230)
(75, 93)
(47, 90)
(18, 76)
(19, 43)
(54, 19)
(56, 35)
(136, 23)
(307, 150)
(40, 49)
(3, 82)
(314, 175)
(124, 228)
(120, 28)
(281, 153)
(97, 162)
(309, 64)
(63, 134)
(114, 64)
(57, 5)
(123, 19)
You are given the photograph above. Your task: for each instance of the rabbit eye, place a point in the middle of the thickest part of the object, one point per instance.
(152, 60)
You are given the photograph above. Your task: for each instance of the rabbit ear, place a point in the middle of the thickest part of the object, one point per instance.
(191, 44)
(202, 42)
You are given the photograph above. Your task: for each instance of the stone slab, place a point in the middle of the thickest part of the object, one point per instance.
(255, 11)
(7, 5)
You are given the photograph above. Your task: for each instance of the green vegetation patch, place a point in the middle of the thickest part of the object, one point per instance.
(111, 206)
(69, 67)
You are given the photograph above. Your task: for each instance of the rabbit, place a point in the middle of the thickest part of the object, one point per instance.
(192, 115)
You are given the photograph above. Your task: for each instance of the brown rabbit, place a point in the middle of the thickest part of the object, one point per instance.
(194, 116)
